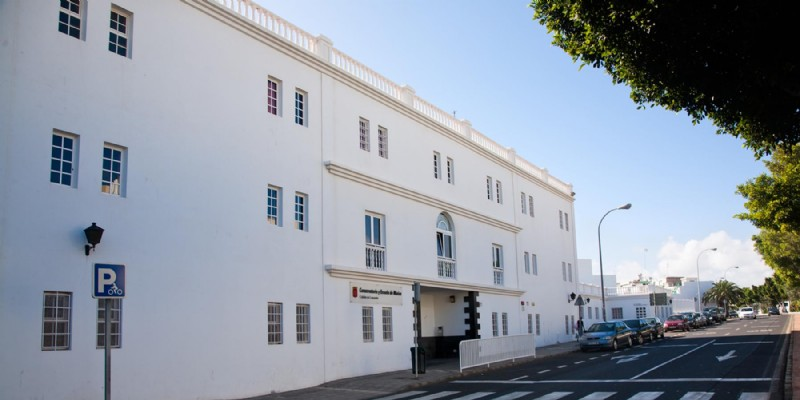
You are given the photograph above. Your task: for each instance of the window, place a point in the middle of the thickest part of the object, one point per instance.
(530, 205)
(616, 313)
(444, 247)
(63, 159)
(375, 246)
(489, 188)
(499, 187)
(274, 323)
(534, 264)
(274, 205)
(495, 331)
(589, 309)
(566, 324)
(303, 319)
(273, 96)
(572, 324)
(597, 312)
(564, 270)
(641, 312)
(113, 181)
(451, 178)
(530, 324)
(70, 18)
(527, 260)
(561, 219)
(569, 271)
(119, 33)
(56, 320)
(115, 318)
(566, 221)
(363, 133)
(437, 167)
(300, 108)
(388, 336)
(383, 142)
(523, 202)
(300, 215)
(366, 324)
(497, 263)
(505, 324)
(538, 324)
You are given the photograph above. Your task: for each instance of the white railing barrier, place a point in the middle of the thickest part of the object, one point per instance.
(323, 47)
(475, 352)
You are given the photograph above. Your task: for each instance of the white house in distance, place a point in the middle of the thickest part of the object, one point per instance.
(271, 199)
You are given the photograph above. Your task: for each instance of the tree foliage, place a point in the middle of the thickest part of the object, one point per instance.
(731, 62)
(723, 293)
(773, 206)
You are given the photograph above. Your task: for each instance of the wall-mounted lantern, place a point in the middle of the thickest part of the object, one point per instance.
(93, 235)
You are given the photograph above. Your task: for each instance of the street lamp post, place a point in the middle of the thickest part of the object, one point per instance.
(725, 275)
(699, 300)
(600, 247)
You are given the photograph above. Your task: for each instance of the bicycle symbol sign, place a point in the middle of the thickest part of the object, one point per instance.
(108, 281)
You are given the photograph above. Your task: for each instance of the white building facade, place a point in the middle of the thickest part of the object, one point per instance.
(272, 200)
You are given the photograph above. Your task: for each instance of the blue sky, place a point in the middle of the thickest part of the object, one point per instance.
(494, 66)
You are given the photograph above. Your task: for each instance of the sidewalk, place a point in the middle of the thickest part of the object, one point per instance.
(371, 386)
(438, 370)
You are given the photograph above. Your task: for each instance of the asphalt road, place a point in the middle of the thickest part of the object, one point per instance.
(733, 360)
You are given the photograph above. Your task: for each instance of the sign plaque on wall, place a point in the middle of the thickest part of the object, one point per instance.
(372, 293)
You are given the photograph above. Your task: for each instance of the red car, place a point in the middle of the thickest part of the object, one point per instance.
(677, 322)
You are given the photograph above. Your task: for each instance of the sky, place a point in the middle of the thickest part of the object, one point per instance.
(492, 64)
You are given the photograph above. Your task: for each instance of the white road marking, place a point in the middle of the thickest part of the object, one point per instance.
(436, 395)
(697, 396)
(598, 396)
(672, 359)
(754, 396)
(473, 396)
(543, 371)
(562, 366)
(401, 395)
(579, 362)
(726, 356)
(521, 377)
(553, 396)
(736, 343)
(646, 396)
(654, 380)
(513, 395)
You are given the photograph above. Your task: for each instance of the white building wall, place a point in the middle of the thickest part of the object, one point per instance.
(202, 262)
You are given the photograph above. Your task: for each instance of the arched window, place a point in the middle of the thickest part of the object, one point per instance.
(444, 247)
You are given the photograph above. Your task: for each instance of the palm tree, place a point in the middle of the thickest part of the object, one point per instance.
(723, 293)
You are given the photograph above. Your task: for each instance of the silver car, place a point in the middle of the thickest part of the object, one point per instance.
(606, 335)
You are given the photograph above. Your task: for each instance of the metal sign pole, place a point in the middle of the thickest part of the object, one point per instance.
(107, 347)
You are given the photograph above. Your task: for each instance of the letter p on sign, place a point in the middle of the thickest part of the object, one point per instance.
(108, 281)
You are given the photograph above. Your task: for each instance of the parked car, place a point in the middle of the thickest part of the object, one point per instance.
(773, 311)
(677, 322)
(710, 319)
(700, 319)
(693, 323)
(658, 326)
(733, 314)
(606, 335)
(747, 313)
(641, 330)
(717, 314)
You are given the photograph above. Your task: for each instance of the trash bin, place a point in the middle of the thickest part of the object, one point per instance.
(418, 362)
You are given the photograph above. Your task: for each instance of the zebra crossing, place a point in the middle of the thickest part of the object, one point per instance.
(530, 395)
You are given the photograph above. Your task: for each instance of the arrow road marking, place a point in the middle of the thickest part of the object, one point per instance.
(628, 358)
(726, 356)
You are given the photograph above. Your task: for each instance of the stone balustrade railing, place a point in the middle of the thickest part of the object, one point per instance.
(323, 48)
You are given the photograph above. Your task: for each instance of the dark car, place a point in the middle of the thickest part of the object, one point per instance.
(606, 335)
(711, 319)
(641, 330)
(693, 322)
(658, 326)
(773, 311)
(677, 322)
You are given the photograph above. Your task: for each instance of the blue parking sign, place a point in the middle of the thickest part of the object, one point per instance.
(108, 281)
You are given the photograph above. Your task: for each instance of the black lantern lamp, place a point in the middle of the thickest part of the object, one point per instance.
(93, 235)
(571, 297)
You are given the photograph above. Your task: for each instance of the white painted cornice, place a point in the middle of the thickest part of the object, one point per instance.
(387, 277)
(364, 179)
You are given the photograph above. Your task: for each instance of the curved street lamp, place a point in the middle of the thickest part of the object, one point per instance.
(699, 300)
(600, 247)
(725, 275)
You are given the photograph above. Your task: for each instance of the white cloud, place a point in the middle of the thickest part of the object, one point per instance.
(683, 259)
